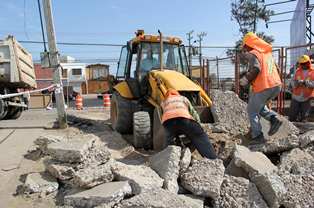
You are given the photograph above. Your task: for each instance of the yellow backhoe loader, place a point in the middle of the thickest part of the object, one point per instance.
(148, 66)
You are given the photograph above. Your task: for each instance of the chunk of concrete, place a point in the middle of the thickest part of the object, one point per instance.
(156, 198)
(236, 171)
(239, 192)
(204, 178)
(193, 201)
(62, 171)
(304, 126)
(271, 187)
(297, 162)
(46, 139)
(306, 139)
(277, 145)
(112, 192)
(300, 191)
(92, 175)
(252, 162)
(166, 164)
(185, 159)
(229, 112)
(71, 150)
(140, 177)
(40, 183)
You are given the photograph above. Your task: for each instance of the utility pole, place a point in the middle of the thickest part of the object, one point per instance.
(255, 16)
(190, 37)
(55, 64)
(200, 39)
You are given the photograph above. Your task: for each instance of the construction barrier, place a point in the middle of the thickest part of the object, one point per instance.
(79, 102)
(106, 98)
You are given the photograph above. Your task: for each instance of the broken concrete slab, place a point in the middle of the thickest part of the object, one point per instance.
(156, 198)
(296, 162)
(40, 183)
(304, 126)
(271, 186)
(277, 145)
(62, 171)
(166, 164)
(300, 191)
(193, 201)
(72, 150)
(252, 162)
(204, 177)
(185, 159)
(239, 192)
(46, 139)
(99, 154)
(229, 112)
(236, 171)
(306, 139)
(140, 177)
(93, 175)
(112, 192)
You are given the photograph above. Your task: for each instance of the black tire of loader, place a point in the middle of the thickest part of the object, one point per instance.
(142, 130)
(121, 114)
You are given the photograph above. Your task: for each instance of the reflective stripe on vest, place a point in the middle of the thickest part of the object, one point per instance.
(175, 107)
(268, 77)
(299, 75)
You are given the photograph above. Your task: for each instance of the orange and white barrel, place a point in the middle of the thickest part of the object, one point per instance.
(79, 102)
(106, 100)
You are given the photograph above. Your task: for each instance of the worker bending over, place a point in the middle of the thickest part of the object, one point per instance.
(266, 85)
(180, 118)
(302, 90)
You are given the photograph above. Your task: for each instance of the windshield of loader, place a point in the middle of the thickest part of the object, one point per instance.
(174, 57)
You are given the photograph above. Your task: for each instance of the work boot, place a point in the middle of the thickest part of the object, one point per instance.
(260, 139)
(275, 124)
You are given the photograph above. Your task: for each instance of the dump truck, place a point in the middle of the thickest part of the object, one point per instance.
(148, 66)
(16, 75)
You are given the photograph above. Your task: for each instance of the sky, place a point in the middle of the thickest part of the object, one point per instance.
(115, 21)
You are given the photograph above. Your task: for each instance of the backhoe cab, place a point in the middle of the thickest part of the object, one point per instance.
(148, 66)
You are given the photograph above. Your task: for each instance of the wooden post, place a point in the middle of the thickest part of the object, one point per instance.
(55, 64)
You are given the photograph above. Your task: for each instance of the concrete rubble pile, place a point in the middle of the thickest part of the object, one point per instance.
(84, 172)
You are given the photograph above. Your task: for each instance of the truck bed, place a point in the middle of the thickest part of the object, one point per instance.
(16, 65)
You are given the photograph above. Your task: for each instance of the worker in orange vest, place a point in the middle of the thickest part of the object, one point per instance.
(302, 90)
(265, 83)
(180, 118)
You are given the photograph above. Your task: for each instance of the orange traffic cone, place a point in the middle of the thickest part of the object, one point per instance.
(79, 102)
(106, 100)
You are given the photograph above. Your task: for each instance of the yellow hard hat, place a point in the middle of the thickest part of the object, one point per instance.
(304, 59)
(247, 37)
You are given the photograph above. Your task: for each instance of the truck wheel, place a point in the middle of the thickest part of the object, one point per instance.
(121, 112)
(14, 113)
(142, 130)
(3, 109)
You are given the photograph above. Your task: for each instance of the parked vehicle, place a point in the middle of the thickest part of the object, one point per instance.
(16, 75)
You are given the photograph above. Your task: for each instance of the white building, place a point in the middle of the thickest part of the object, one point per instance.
(73, 74)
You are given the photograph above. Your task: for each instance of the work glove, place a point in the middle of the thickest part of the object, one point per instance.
(307, 83)
(244, 81)
(299, 82)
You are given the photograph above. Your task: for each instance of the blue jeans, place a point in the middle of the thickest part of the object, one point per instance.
(192, 130)
(257, 108)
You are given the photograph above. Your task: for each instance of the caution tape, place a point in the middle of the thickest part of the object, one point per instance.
(29, 92)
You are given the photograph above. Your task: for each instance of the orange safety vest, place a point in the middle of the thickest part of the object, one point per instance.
(268, 77)
(175, 106)
(299, 75)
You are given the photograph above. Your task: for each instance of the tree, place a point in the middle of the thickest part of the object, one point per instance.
(247, 14)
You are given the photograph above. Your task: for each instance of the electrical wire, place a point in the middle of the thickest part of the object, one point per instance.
(41, 24)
